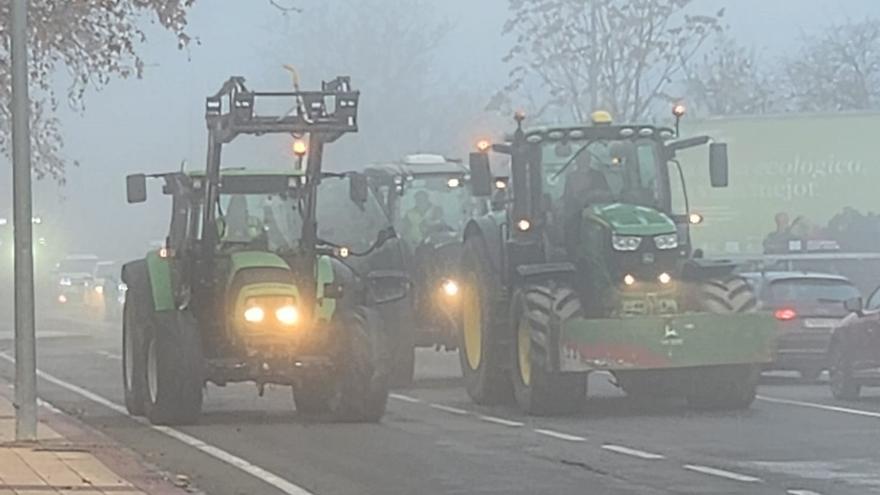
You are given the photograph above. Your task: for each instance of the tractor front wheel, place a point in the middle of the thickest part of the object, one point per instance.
(481, 350)
(137, 326)
(539, 387)
(175, 375)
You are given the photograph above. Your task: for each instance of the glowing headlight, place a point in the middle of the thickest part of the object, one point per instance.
(453, 182)
(629, 279)
(99, 289)
(523, 225)
(625, 242)
(450, 288)
(254, 314)
(287, 315)
(62, 298)
(666, 241)
(664, 278)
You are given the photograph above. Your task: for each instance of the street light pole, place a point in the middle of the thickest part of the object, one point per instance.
(25, 338)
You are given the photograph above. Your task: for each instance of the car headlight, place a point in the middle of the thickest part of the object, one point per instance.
(666, 241)
(287, 315)
(450, 287)
(254, 314)
(99, 289)
(626, 242)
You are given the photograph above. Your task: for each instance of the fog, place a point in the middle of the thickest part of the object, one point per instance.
(155, 123)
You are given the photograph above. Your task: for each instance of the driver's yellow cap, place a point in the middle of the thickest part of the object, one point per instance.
(601, 117)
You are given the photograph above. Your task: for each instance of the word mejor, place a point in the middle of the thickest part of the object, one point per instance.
(799, 178)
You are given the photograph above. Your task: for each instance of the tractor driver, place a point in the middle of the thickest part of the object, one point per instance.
(419, 218)
(237, 224)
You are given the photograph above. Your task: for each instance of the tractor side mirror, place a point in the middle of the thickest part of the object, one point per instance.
(387, 286)
(136, 188)
(481, 175)
(358, 188)
(718, 170)
(854, 305)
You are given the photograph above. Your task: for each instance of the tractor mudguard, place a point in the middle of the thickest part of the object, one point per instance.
(704, 269)
(157, 272)
(490, 232)
(662, 342)
(541, 272)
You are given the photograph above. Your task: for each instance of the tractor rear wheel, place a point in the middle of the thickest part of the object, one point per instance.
(175, 370)
(540, 389)
(481, 352)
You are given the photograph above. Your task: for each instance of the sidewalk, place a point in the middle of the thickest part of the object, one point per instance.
(69, 458)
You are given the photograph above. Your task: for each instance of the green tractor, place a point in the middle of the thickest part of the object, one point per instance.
(587, 266)
(249, 286)
(428, 201)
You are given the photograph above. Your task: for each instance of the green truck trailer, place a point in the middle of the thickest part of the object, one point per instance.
(805, 165)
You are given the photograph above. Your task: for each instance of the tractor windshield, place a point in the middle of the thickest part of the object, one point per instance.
(434, 203)
(606, 171)
(274, 220)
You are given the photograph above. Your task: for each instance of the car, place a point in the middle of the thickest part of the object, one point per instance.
(807, 307)
(108, 291)
(74, 277)
(854, 353)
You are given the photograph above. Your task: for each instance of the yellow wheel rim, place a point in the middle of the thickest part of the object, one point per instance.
(472, 322)
(524, 348)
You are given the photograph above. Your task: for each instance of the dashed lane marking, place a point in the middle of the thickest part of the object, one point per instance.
(501, 421)
(449, 409)
(721, 473)
(812, 405)
(802, 492)
(405, 398)
(559, 435)
(641, 454)
(109, 355)
(272, 479)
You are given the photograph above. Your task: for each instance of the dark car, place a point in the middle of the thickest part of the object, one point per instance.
(854, 354)
(808, 307)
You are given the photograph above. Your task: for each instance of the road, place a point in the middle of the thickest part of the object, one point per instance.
(795, 440)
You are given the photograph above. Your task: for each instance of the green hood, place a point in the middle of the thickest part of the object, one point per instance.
(628, 219)
(255, 259)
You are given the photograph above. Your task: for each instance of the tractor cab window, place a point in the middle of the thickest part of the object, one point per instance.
(343, 222)
(606, 171)
(269, 219)
(435, 203)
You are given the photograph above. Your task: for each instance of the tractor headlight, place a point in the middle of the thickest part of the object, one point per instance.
(626, 242)
(254, 314)
(450, 287)
(287, 315)
(666, 241)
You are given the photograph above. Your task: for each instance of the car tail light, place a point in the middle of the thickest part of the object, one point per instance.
(785, 314)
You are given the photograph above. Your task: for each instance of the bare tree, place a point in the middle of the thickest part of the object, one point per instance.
(94, 40)
(838, 69)
(572, 56)
(729, 80)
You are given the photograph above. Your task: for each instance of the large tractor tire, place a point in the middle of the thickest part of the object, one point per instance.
(359, 392)
(137, 326)
(481, 350)
(539, 313)
(843, 386)
(725, 386)
(175, 370)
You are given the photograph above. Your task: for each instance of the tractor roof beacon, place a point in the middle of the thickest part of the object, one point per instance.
(244, 289)
(588, 267)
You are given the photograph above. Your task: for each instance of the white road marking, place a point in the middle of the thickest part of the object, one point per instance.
(109, 355)
(802, 492)
(641, 454)
(501, 421)
(846, 410)
(215, 452)
(405, 398)
(559, 435)
(449, 409)
(721, 473)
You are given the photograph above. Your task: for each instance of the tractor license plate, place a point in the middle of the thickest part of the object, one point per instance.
(821, 322)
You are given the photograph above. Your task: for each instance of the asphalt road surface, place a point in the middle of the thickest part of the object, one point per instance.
(795, 439)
